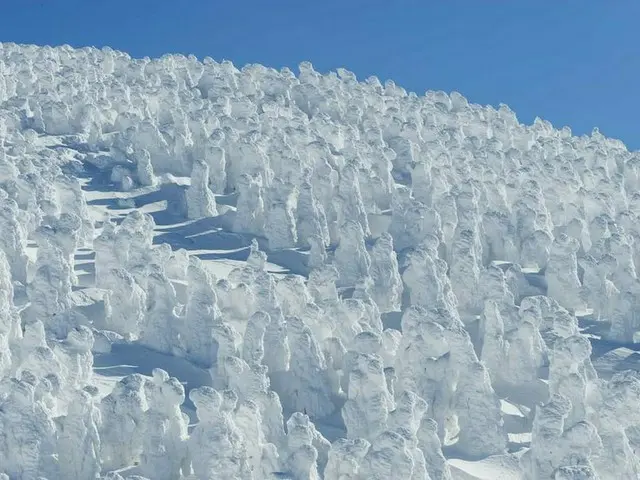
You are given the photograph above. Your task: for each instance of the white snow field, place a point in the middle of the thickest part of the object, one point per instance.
(217, 273)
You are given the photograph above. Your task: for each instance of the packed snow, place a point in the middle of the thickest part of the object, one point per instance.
(217, 273)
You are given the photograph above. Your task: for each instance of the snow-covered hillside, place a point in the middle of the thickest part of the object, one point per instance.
(217, 273)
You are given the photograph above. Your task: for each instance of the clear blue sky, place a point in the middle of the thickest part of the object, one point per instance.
(572, 62)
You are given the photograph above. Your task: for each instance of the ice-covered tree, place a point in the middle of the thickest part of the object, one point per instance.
(305, 386)
(122, 430)
(201, 314)
(424, 277)
(164, 445)
(571, 373)
(349, 204)
(388, 456)
(280, 226)
(28, 431)
(200, 200)
(159, 329)
(79, 440)
(345, 459)
(250, 209)
(429, 443)
(553, 445)
(215, 158)
(479, 415)
(367, 408)
(613, 412)
(127, 302)
(10, 331)
(311, 220)
(144, 168)
(562, 273)
(216, 445)
(424, 365)
(307, 450)
(251, 383)
(387, 284)
(73, 201)
(351, 258)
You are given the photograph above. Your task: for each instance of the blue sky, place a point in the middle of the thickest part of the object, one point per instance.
(572, 62)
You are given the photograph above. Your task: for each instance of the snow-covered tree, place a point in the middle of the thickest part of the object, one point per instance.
(387, 283)
(122, 430)
(553, 445)
(351, 258)
(164, 447)
(200, 200)
(201, 315)
(562, 273)
(28, 430)
(79, 439)
(159, 329)
(442, 257)
(216, 444)
(127, 302)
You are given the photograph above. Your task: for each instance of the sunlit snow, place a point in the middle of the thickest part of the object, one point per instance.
(217, 273)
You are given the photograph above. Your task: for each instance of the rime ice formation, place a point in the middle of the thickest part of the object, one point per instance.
(10, 331)
(250, 208)
(164, 448)
(307, 449)
(479, 416)
(73, 201)
(387, 283)
(160, 324)
(306, 385)
(13, 239)
(74, 352)
(126, 302)
(402, 278)
(345, 458)
(216, 445)
(311, 219)
(29, 433)
(562, 272)
(555, 445)
(570, 374)
(122, 429)
(424, 275)
(79, 439)
(435, 386)
(351, 258)
(144, 168)
(366, 410)
(200, 316)
(280, 222)
(200, 200)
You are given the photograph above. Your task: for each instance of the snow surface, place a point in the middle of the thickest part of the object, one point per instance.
(213, 273)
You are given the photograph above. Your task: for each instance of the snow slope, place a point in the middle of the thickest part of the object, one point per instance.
(209, 272)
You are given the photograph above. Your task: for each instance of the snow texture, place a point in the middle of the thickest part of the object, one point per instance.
(212, 272)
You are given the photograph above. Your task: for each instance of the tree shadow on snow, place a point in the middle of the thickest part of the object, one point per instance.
(188, 228)
(212, 234)
(216, 240)
(208, 238)
(127, 358)
(167, 192)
